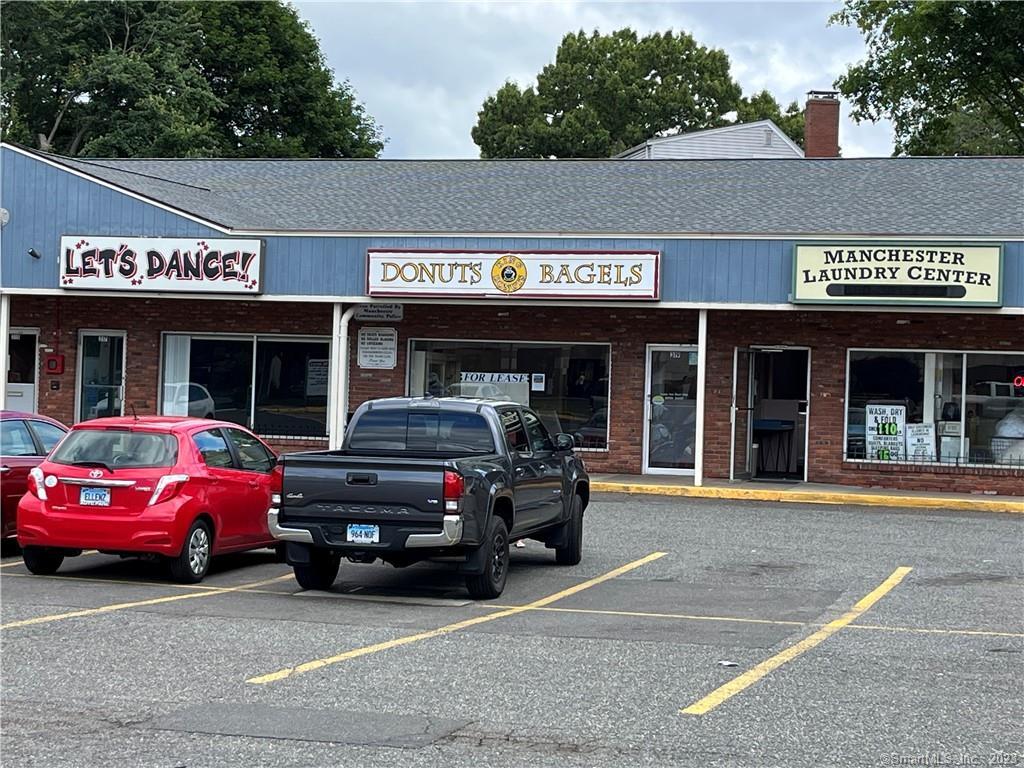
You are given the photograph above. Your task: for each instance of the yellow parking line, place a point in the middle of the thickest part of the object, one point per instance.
(309, 666)
(138, 603)
(778, 622)
(751, 676)
(21, 562)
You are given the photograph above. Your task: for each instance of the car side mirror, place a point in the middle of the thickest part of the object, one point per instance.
(564, 442)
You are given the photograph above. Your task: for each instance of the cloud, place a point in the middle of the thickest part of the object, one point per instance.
(423, 69)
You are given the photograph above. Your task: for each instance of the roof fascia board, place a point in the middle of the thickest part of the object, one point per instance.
(117, 188)
(838, 237)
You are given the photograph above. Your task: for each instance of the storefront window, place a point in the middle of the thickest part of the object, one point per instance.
(995, 409)
(214, 378)
(910, 406)
(567, 384)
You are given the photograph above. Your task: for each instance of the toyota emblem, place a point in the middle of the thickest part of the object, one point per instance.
(96, 474)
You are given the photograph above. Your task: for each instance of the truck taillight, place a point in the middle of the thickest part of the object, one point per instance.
(454, 487)
(167, 488)
(37, 483)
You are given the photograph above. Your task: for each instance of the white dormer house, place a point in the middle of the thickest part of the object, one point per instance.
(746, 140)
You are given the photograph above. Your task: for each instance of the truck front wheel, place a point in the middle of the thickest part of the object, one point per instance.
(491, 583)
(321, 570)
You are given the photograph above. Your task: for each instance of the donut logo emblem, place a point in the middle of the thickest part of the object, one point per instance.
(509, 273)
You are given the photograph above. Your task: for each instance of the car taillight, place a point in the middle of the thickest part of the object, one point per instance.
(37, 483)
(167, 488)
(454, 487)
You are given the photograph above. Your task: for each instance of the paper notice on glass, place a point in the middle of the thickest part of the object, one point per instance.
(885, 432)
(377, 347)
(921, 442)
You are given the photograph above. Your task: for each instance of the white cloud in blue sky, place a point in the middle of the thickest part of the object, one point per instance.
(424, 68)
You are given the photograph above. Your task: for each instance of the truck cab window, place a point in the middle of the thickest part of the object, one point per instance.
(515, 433)
(540, 441)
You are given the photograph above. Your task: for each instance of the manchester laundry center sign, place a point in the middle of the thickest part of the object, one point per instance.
(898, 273)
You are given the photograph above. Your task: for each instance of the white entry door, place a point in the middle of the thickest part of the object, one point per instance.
(670, 410)
(23, 370)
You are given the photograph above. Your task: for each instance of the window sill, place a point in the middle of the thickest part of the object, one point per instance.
(932, 466)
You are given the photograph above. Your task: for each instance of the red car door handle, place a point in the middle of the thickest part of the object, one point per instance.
(4, 469)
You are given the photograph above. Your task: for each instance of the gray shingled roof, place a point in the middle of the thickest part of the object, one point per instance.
(915, 196)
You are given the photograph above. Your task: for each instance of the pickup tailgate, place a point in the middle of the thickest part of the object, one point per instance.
(385, 498)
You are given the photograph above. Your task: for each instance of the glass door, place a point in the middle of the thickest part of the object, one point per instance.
(100, 374)
(741, 460)
(671, 409)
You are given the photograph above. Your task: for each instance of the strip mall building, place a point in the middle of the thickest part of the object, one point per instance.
(825, 320)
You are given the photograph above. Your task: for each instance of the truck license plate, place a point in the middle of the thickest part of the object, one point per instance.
(94, 497)
(364, 534)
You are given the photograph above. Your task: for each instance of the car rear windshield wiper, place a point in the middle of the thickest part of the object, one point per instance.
(103, 464)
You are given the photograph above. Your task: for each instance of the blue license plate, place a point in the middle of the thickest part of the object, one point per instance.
(363, 534)
(94, 497)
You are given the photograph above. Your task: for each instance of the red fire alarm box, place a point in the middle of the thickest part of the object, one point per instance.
(53, 364)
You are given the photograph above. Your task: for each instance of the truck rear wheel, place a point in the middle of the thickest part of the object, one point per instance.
(572, 552)
(491, 583)
(320, 572)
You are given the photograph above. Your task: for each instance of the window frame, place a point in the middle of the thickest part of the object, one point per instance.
(524, 343)
(965, 354)
(40, 445)
(236, 454)
(36, 447)
(512, 450)
(234, 465)
(255, 338)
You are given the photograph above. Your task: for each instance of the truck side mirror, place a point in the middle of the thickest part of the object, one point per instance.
(564, 442)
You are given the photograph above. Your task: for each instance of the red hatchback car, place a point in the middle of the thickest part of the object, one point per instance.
(25, 439)
(182, 488)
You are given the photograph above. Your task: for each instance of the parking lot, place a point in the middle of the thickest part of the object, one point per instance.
(859, 637)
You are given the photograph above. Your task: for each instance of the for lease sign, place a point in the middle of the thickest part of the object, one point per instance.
(898, 273)
(167, 264)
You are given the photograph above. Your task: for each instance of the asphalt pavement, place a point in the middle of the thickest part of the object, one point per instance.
(694, 633)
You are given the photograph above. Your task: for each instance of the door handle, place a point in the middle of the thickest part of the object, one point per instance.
(4, 469)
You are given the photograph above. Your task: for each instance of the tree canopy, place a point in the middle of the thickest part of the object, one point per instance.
(164, 79)
(949, 75)
(606, 93)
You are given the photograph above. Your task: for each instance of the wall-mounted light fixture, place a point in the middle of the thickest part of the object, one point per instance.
(34, 253)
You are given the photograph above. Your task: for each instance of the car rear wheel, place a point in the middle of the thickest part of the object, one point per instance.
(191, 565)
(491, 583)
(42, 561)
(321, 570)
(572, 552)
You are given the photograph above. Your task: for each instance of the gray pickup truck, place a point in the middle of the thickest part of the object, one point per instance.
(451, 480)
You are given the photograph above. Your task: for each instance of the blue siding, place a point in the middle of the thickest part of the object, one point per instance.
(46, 202)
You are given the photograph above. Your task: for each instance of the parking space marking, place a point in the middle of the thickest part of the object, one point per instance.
(751, 676)
(778, 622)
(310, 666)
(22, 562)
(139, 603)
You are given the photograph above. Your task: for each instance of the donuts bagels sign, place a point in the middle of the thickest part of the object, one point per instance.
(514, 274)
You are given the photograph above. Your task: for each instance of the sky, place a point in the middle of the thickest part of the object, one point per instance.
(423, 69)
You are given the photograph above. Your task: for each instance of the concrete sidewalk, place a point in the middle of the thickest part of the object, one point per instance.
(804, 493)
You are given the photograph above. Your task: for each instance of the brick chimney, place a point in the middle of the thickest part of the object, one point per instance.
(821, 124)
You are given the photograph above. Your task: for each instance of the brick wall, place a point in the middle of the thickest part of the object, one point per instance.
(60, 318)
(628, 331)
(829, 335)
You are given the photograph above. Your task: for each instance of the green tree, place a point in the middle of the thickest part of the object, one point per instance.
(164, 79)
(606, 93)
(763, 106)
(949, 75)
(276, 96)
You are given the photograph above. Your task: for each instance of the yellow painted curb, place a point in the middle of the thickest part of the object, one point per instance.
(984, 504)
